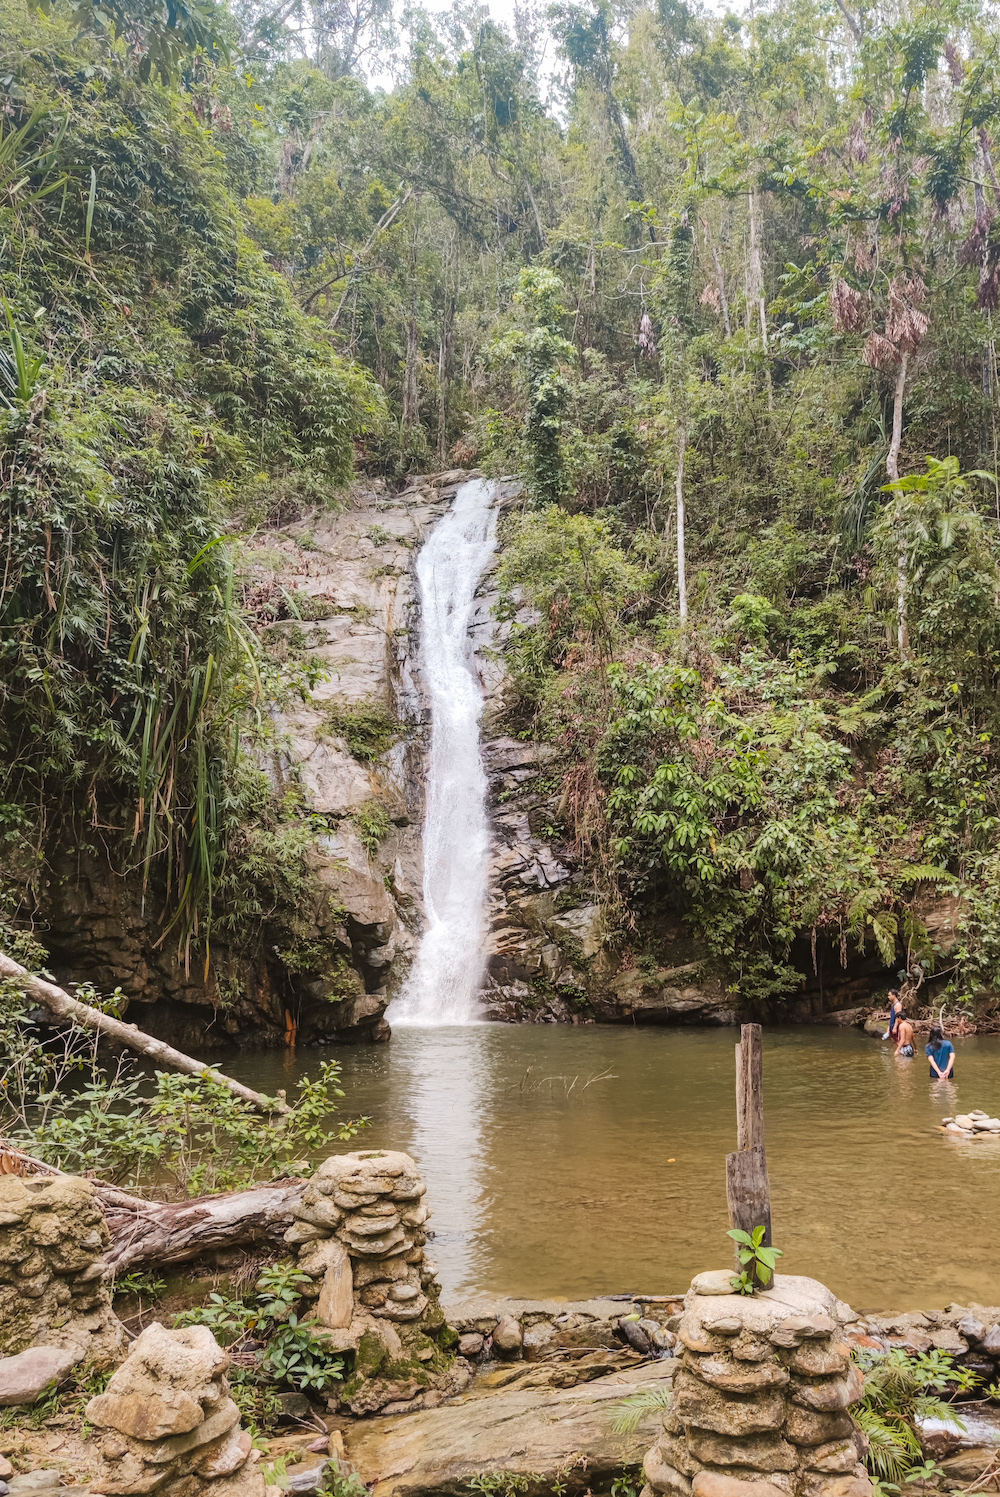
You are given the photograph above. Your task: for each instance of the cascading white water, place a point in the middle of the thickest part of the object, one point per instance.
(444, 983)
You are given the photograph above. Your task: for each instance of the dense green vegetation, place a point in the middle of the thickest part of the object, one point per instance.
(711, 283)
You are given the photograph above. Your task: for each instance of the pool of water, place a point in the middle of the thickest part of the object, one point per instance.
(575, 1161)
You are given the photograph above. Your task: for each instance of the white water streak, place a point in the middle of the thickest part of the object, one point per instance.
(444, 983)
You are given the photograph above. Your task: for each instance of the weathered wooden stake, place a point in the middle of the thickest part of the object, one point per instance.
(748, 1192)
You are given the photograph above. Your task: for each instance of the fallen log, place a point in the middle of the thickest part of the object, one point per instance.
(157, 1233)
(162, 1233)
(63, 1006)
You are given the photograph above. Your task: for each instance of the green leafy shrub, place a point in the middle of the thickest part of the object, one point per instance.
(757, 1262)
(369, 729)
(297, 1356)
(900, 1391)
(150, 367)
(372, 822)
(191, 1137)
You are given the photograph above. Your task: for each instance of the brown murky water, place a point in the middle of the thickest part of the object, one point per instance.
(568, 1162)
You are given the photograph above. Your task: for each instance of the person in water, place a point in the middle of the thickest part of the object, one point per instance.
(895, 1013)
(941, 1054)
(904, 1037)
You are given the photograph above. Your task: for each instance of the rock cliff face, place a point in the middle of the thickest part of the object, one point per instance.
(334, 596)
(551, 955)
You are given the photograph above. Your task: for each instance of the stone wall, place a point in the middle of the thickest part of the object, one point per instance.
(359, 1230)
(52, 1294)
(167, 1423)
(761, 1397)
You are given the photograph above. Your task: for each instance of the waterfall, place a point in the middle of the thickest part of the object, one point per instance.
(443, 985)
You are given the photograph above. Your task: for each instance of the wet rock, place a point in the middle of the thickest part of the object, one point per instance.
(950, 1341)
(636, 1337)
(306, 1479)
(806, 1427)
(837, 1457)
(294, 1405)
(167, 1421)
(335, 1306)
(990, 1343)
(507, 1335)
(765, 1452)
(832, 1393)
(714, 1282)
(660, 1339)
(52, 1241)
(732, 1377)
(707, 1408)
(798, 1328)
(969, 1466)
(535, 1339)
(716, 1484)
(822, 1361)
(662, 1475)
(470, 1345)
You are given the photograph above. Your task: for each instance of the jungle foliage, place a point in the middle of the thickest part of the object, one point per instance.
(720, 287)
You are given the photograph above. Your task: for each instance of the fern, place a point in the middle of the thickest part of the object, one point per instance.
(629, 1414)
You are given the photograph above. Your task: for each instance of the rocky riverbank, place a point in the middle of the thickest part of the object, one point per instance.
(547, 1382)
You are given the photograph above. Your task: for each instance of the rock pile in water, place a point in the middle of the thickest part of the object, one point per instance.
(53, 1301)
(761, 1397)
(972, 1124)
(359, 1229)
(168, 1425)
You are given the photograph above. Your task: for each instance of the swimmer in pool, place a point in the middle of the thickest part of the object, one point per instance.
(904, 1038)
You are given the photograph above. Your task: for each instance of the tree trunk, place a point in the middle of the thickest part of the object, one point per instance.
(722, 292)
(681, 557)
(160, 1233)
(444, 378)
(64, 1007)
(411, 389)
(756, 279)
(892, 470)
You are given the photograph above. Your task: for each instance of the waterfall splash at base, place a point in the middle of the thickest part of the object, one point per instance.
(444, 984)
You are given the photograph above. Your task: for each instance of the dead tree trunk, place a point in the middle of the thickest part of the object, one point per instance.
(149, 1233)
(166, 1232)
(748, 1192)
(892, 470)
(64, 1007)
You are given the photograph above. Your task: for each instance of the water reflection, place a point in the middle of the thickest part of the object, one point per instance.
(444, 1082)
(547, 1152)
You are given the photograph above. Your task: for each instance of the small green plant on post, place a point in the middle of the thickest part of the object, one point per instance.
(756, 1260)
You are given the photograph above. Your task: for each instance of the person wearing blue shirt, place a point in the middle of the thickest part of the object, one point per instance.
(941, 1054)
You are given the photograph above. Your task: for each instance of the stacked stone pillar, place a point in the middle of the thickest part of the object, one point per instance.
(52, 1292)
(761, 1397)
(359, 1230)
(167, 1424)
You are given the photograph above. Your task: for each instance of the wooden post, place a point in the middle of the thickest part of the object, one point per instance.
(748, 1192)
